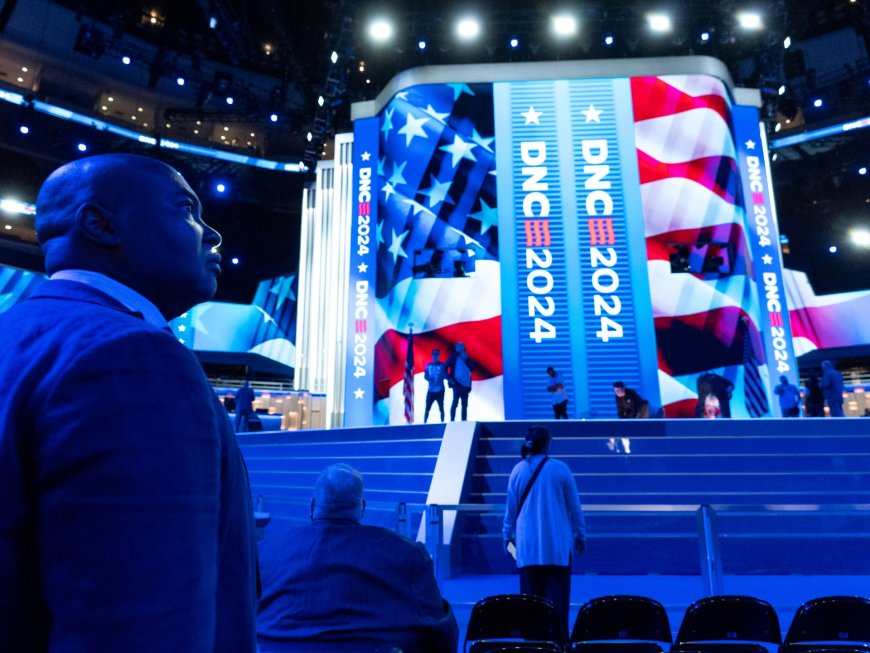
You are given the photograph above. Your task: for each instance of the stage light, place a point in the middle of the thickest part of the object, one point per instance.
(380, 30)
(832, 249)
(862, 170)
(180, 81)
(468, 28)
(420, 44)
(125, 60)
(110, 99)
(24, 69)
(705, 36)
(82, 147)
(515, 43)
(817, 102)
(320, 101)
(220, 188)
(777, 127)
(20, 80)
(860, 237)
(774, 158)
(234, 260)
(104, 108)
(226, 129)
(212, 22)
(660, 23)
(564, 25)
(309, 137)
(608, 40)
(230, 99)
(749, 20)
(781, 90)
(334, 57)
(24, 129)
(786, 44)
(7, 227)
(274, 117)
(140, 109)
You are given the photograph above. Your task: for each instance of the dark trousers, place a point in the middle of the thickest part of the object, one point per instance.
(434, 398)
(794, 411)
(835, 405)
(560, 410)
(551, 582)
(460, 394)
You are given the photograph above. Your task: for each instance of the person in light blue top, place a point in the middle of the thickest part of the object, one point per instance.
(789, 397)
(544, 522)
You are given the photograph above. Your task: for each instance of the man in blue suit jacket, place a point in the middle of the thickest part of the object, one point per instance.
(337, 586)
(127, 523)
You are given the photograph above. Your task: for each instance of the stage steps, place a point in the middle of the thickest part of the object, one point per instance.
(791, 496)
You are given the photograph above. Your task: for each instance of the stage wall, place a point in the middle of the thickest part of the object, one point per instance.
(612, 219)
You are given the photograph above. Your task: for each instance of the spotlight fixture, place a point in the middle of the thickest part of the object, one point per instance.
(786, 44)
(234, 260)
(564, 25)
(82, 147)
(180, 81)
(862, 170)
(514, 43)
(833, 249)
(659, 23)
(220, 188)
(781, 90)
(334, 57)
(380, 31)
(705, 36)
(309, 137)
(230, 99)
(24, 129)
(608, 40)
(749, 20)
(421, 44)
(468, 28)
(860, 237)
(320, 101)
(818, 102)
(274, 117)
(125, 60)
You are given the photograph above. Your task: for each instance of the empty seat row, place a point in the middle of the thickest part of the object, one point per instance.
(636, 624)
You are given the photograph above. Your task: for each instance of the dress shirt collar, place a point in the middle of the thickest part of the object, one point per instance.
(117, 291)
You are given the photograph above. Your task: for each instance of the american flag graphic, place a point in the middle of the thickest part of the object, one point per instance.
(408, 385)
(437, 190)
(754, 395)
(690, 194)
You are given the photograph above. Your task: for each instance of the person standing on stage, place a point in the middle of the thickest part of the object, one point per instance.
(543, 522)
(556, 388)
(789, 397)
(459, 367)
(815, 397)
(435, 373)
(832, 388)
(127, 521)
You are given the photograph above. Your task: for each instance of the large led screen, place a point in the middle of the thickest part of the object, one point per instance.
(615, 228)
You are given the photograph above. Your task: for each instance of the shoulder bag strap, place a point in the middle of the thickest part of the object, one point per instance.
(531, 483)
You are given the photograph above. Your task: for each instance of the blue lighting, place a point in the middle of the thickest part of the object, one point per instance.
(817, 102)
(608, 40)
(125, 60)
(234, 260)
(515, 43)
(82, 147)
(832, 249)
(220, 188)
(274, 117)
(705, 36)
(24, 129)
(421, 45)
(180, 81)
(230, 100)
(862, 170)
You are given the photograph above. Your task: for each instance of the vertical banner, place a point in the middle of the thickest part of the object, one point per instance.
(610, 282)
(535, 313)
(361, 289)
(764, 244)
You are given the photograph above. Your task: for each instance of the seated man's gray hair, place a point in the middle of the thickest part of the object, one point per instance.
(338, 491)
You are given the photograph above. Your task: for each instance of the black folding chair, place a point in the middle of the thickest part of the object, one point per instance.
(728, 624)
(621, 624)
(831, 623)
(506, 620)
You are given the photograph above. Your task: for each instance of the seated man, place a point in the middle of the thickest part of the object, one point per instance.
(336, 585)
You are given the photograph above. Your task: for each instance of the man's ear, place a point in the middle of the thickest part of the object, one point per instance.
(97, 225)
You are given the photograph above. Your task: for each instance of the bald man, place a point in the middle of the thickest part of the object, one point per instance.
(127, 522)
(335, 585)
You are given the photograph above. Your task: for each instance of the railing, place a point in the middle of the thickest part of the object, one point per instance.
(430, 525)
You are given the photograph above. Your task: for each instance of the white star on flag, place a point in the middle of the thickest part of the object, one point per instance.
(359, 393)
(397, 177)
(750, 145)
(365, 156)
(412, 128)
(437, 191)
(395, 247)
(283, 289)
(488, 216)
(388, 190)
(592, 114)
(460, 150)
(459, 89)
(532, 116)
(430, 110)
(388, 122)
(480, 140)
